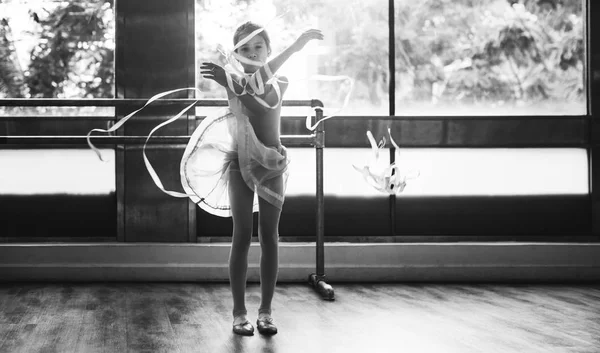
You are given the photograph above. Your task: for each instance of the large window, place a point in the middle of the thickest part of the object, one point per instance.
(452, 58)
(490, 57)
(355, 44)
(56, 49)
(483, 57)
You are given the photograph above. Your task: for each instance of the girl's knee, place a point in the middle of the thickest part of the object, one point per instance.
(269, 239)
(242, 236)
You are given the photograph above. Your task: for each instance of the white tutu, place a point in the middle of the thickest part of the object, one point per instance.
(226, 141)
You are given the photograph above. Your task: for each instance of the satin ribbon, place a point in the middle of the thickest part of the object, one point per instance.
(257, 86)
(149, 167)
(252, 84)
(389, 179)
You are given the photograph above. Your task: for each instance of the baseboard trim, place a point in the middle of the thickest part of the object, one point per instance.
(345, 262)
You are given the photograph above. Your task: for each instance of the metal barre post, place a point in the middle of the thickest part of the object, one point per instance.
(318, 280)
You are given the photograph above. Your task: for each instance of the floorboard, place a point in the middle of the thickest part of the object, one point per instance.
(196, 317)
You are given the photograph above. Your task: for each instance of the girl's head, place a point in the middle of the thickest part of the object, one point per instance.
(257, 49)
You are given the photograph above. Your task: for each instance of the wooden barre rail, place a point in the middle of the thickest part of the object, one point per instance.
(104, 140)
(128, 102)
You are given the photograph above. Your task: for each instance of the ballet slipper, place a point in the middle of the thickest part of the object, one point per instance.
(244, 329)
(265, 326)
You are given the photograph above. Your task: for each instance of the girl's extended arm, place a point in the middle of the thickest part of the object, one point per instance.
(216, 73)
(276, 62)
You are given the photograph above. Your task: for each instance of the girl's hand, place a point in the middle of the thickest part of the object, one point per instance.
(214, 72)
(306, 37)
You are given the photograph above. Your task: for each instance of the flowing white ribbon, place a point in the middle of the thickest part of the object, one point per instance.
(149, 167)
(344, 105)
(389, 179)
(256, 85)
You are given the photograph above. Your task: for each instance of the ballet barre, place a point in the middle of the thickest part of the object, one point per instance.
(316, 139)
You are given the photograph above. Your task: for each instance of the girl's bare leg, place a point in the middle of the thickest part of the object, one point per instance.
(268, 232)
(241, 198)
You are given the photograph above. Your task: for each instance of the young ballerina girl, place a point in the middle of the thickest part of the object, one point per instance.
(235, 164)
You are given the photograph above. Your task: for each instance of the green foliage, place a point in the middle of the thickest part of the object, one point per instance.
(490, 51)
(356, 44)
(75, 48)
(73, 55)
(452, 52)
(11, 75)
(447, 51)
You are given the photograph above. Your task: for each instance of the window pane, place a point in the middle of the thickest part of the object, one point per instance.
(355, 44)
(45, 172)
(489, 57)
(448, 172)
(57, 194)
(57, 49)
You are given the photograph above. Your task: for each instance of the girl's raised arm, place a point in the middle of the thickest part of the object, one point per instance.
(275, 63)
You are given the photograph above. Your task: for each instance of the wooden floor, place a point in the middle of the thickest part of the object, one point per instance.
(192, 317)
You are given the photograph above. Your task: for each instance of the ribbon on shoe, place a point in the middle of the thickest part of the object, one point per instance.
(387, 179)
(149, 167)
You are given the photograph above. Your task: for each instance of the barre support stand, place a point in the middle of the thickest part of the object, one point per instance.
(317, 280)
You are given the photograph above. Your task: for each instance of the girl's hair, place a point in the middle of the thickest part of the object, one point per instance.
(248, 28)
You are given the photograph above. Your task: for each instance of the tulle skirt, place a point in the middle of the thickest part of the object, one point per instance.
(225, 143)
